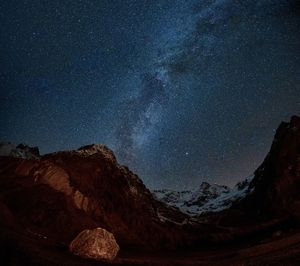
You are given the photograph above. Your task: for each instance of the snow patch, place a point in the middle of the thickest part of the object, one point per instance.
(207, 198)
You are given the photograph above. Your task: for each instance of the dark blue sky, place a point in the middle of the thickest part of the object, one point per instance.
(182, 91)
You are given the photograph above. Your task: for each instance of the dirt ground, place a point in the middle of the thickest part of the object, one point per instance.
(284, 249)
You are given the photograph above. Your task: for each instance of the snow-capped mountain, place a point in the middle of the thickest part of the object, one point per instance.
(207, 198)
(20, 151)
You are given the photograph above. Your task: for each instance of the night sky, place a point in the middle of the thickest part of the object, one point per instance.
(183, 91)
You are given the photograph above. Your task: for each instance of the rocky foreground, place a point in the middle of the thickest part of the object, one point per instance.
(47, 201)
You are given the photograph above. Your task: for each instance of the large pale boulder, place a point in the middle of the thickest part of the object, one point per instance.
(96, 244)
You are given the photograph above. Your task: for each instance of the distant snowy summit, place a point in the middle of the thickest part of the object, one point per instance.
(19, 151)
(207, 198)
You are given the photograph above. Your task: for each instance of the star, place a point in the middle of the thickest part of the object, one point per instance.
(177, 91)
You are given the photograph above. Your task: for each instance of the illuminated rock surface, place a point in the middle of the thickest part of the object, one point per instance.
(96, 244)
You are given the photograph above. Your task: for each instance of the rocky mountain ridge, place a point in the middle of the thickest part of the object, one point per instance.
(207, 198)
(52, 198)
(19, 151)
(82, 189)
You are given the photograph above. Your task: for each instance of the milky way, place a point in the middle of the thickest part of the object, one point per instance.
(182, 91)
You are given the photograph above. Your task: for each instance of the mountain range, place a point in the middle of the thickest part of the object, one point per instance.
(207, 198)
(46, 201)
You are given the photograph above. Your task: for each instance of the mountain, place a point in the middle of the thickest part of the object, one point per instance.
(276, 183)
(19, 151)
(46, 201)
(273, 190)
(273, 198)
(207, 198)
(63, 193)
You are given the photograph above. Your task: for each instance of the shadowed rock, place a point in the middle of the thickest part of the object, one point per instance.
(20, 151)
(63, 193)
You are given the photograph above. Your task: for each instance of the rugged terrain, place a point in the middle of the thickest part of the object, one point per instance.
(60, 194)
(45, 201)
(207, 198)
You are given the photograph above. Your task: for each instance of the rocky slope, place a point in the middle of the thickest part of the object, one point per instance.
(63, 193)
(276, 183)
(274, 201)
(45, 202)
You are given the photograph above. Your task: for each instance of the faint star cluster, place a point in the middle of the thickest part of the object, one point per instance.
(182, 91)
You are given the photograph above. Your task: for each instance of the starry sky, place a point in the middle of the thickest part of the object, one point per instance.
(182, 91)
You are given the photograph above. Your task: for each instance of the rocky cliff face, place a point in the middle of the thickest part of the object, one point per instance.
(275, 188)
(63, 193)
(276, 185)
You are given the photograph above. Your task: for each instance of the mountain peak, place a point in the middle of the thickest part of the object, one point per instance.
(277, 180)
(20, 151)
(205, 185)
(92, 149)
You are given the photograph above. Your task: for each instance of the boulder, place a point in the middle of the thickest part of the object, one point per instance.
(96, 244)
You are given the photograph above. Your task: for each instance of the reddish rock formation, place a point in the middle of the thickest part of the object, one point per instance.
(66, 192)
